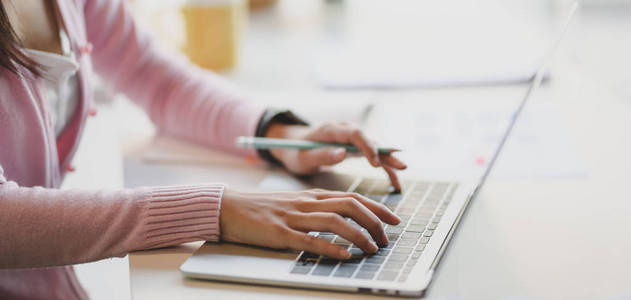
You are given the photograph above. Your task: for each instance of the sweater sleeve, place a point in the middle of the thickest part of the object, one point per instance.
(51, 227)
(180, 98)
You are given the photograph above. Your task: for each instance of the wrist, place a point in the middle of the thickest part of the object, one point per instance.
(283, 122)
(284, 131)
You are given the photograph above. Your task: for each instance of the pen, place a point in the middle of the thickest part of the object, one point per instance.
(270, 143)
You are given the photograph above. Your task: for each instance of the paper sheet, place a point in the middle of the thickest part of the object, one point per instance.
(458, 139)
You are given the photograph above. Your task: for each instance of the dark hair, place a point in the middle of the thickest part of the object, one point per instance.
(10, 53)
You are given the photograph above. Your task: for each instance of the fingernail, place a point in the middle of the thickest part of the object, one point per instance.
(338, 154)
(384, 240)
(397, 219)
(373, 248)
(345, 254)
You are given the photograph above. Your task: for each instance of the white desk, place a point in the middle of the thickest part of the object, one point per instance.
(564, 238)
(545, 239)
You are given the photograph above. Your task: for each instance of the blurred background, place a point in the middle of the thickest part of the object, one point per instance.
(261, 42)
(457, 68)
(438, 79)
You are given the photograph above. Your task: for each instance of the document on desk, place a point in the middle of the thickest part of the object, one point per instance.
(456, 140)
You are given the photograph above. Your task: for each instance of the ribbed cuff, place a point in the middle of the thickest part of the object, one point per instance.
(182, 214)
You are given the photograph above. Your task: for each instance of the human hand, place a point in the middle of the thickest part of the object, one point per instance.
(282, 220)
(310, 161)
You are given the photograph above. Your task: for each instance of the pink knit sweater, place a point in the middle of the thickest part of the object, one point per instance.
(43, 226)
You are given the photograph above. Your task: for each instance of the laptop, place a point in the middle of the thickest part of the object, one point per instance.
(429, 210)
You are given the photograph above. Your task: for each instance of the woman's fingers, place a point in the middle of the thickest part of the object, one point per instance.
(382, 212)
(352, 208)
(331, 222)
(310, 160)
(392, 161)
(346, 134)
(394, 179)
(301, 241)
(369, 150)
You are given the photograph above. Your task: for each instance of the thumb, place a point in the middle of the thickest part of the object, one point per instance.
(312, 159)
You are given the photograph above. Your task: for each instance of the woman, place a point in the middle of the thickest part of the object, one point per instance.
(49, 49)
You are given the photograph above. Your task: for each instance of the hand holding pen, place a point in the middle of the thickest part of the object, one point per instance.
(303, 149)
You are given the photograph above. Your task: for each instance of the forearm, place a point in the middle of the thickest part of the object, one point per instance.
(49, 227)
(180, 98)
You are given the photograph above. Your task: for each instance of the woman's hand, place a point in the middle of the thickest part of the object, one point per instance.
(283, 219)
(310, 161)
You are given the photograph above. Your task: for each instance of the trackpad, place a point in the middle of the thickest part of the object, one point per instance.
(236, 260)
(324, 180)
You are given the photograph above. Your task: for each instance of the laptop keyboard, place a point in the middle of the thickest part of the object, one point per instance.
(420, 207)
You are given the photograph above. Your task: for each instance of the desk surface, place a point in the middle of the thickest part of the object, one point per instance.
(541, 238)
(536, 238)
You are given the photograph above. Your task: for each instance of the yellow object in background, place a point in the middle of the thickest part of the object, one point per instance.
(213, 29)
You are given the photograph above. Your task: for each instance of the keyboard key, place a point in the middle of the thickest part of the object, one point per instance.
(392, 237)
(356, 257)
(390, 245)
(428, 233)
(365, 275)
(419, 222)
(424, 215)
(387, 275)
(411, 263)
(375, 259)
(441, 187)
(406, 210)
(407, 243)
(398, 257)
(323, 270)
(301, 269)
(407, 270)
(369, 268)
(402, 278)
(423, 240)
(382, 252)
(306, 262)
(394, 230)
(411, 235)
(415, 228)
(356, 252)
(345, 271)
(420, 248)
(354, 260)
(409, 208)
(416, 255)
(329, 261)
(432, 226)
(306, 255)
(393, 265)
(402, 250)
(393, 198)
